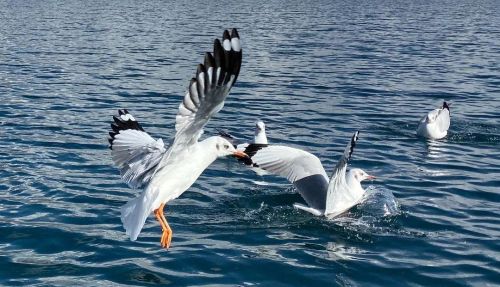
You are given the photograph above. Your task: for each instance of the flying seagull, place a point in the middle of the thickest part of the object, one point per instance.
(165, 172)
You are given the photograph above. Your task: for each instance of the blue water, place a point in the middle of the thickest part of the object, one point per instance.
(314, 71)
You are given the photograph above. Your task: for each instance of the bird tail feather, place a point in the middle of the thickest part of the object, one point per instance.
(134, 214)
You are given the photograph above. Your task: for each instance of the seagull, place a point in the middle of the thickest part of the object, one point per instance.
(165, 172)
(324, 196)
(260, 137)
(259, 141)
(435, 124)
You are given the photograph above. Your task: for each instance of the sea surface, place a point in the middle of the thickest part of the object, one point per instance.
(315, 72)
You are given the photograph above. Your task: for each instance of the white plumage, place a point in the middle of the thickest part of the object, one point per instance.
(323, 195)
(291, 163)
(167, 173)
(435, 124)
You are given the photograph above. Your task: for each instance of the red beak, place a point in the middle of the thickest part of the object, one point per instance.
(240, 154)
(370, 177)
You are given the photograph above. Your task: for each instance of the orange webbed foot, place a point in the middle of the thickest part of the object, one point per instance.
(166, 237)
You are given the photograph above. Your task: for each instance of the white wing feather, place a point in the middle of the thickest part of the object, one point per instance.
(133, 150)
(204, 98)
(208, 90)
(291, 163)
(443, 119)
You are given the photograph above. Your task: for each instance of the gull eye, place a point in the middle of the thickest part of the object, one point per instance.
(226, 146)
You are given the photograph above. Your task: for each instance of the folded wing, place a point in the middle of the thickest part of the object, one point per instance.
(443, 118)
(133, 150)
(338, 197)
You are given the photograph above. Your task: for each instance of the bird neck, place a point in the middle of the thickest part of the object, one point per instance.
(205, 151)
(354, 185)
(260, 137)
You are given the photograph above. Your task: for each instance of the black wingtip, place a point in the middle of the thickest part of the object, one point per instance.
(209, 60)
(117, 120)
(225, 35)
(224, 134)
(218, 54)
(217, 47)
(446, 106)
(120, 124)
(225, 61)
(200, 69)
(253, 148)
(354, 139)
(234, 33)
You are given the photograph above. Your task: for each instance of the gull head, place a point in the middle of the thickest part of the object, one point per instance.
(224, 148)
(359, 175)
(260, 127)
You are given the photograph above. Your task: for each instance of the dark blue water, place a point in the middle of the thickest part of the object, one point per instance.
(315, 71)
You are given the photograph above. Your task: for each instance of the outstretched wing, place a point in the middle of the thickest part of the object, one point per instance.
(338, 192)
(134, 151)
(291, 163)
(208, 90)
(301, 168)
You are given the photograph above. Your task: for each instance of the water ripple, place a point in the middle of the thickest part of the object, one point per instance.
(314, 72)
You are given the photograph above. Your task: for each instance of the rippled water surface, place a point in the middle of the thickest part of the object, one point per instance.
(315, 71)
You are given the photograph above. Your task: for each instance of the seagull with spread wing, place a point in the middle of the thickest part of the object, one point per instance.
(165, 172)
(324, 196)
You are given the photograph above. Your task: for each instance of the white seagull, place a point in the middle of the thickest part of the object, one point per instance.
(163, 172)
(260, 133)
(435, 124)
(260, 137)
(324, 196)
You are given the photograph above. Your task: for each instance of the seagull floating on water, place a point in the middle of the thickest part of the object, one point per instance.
(324, 196)
(166, 172)
(435, 124)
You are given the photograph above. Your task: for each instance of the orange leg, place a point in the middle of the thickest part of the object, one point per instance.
(166, 236)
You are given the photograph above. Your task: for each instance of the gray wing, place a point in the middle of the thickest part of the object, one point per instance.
(291, 163)
(338, 191)
(301, 168)
(208, 90)
(133, 150)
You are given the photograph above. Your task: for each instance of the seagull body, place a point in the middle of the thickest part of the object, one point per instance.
(435, 124)
(165, 173)
(325, 196)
